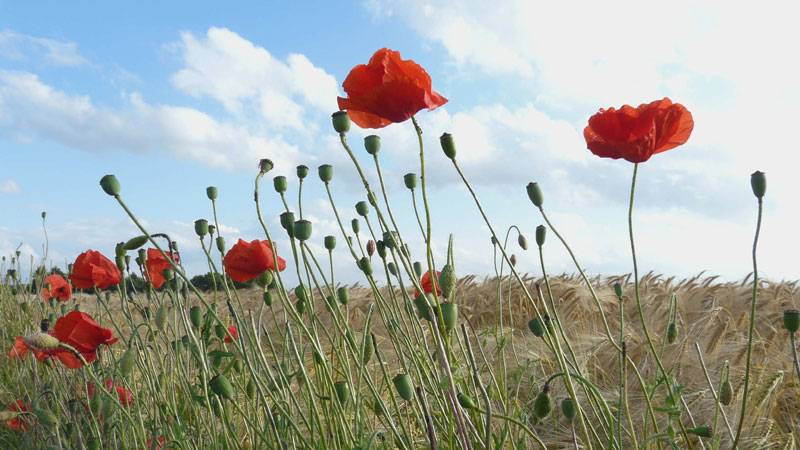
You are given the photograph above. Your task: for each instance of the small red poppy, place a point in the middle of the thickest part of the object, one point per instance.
(58, 288)
(18, 423)
(156, 263)
(125, 396)
(246, 261)
(636, 134)
(427, 283)
(387, 90)
(231, 332)
(92, 269)
(160, 443)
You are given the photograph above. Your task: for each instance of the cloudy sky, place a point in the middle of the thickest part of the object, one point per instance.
(173, 97)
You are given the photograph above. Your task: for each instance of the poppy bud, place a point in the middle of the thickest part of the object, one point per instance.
(44, 325)
(343, 294)
(523, 243)
(110, 185)
(44, 215)
(541, 234)
(265, 165)
(238, 365)
(493, 240)
(449, 315)
(142, 255)
(287, 220)
(418, 268)
(211, 193)
(543, 404)
(568, 408)
(341, 122)
(127, 261)
(301, 292)
(618, 290)
(368, 350)
(404, 386)
(267, 297)
(342, 391)
(389, 239)
(168, 274)
(535, 194)
(302, 171)
(704, 431)
(365, 265)
(120, 260)
(726, 393)
(758, 181)
(513, 260)
(422, 304)
(465, 401)
(127, 362)
(95, 404)
(211, 229)
(411, 180)
(392, 268)
(161, 317)
(302, 230)
(220, 331)
(447, 280)
(362, 208)
(672, 333)
(42, 341)
(221, 386)
(220, 244)
(372, 143)
(201, 227)
(536, 327)
(381, 247)
(355, 225)
(46, 417)
(280, 184)
(250, 389)
(791, 320)
(330, 242)
(325, 173)
(196, 316)
(370, 247)
(448, 145)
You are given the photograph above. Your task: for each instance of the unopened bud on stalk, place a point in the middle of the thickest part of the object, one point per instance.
(142, 255)
(196, 316)
(449, 315)
(704, 431)
(264, 279)
(404, 386)
(342, 391)
(330, 242)
(201, 227)
(325, 172)
(447, 281)
(280, 184)
(513, 260)
(389, 239)
(96, 404)
(618, 290)
(448, 145)
(287, 220)
(758, 181)
(211, 229)
(42, 341)
(110, 185)
(523, 243)
(267, 297)
(536, 327)
(672, 333)
(370, 247)
(418, 268)
(410, 179)
(302, 171)
(373, 144)
(168, 274)
(791, 320)
(302, 293)
(211, 192)
(161, 317)
(127, 362)
(392, 268)
(541, 234)
(341, 122)
(355, 225)
(366, 266)
(465, 401)
(221, 244)
(362, 208)
(127, 261)
(221, 386)
(381, 247)
(535, 194)
(46, 417)
(568, 408)
(543, 404)
(120, 260)
(368, 349)
(726, 393)
(265, 165)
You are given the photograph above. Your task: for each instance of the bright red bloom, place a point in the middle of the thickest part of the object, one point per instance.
(246, 261)
(59, 288)
(387, 90)
(636, 134)
(17, 423)
(125, 396)
(231, 332)
(160, 443)
(78, 330)
(92, 269)
(427, 283)
(156, 263)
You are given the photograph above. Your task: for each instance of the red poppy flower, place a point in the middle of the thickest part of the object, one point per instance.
(231, 332)
(59, 288)
(78, 330)
(427, 283)
(636, 134)
(387, 90)
(160, 443)
(18, 423)
(246, 261)
(92, 269)
(125, 396)
(156, 263)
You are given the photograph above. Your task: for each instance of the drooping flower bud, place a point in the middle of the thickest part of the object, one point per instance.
(672, 333)
(280, 184)
(392, 268)
(201, 227)
(221, 386)
(373, 144)
(791, 320)
(758, 181)
(42, 341)
(543, 404)
(568, 408)
(513, 260)
(465, 401)
(381, 247)
(325, 172)
(302, 171)
(405, 387)
(46, 417)
(535, 194)
(726, 393)
(410, 179)
(110, 185)
(161, 317)
(448, 145)
(302, 293)
(211, 192)
(368, 350)
(134, 243)
(523, 243)
(127, 362)
(341, 122)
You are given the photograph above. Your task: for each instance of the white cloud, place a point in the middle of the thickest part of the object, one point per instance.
(9, 187)
(21, 47)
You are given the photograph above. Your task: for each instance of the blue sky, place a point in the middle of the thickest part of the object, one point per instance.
(175, 97)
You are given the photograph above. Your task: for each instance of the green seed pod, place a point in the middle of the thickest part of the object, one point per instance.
(372, 199)
(618, 290)
(343, 295)
(448, 145)
(381, 247)
(704, 431)
(366, 266)
(196, 316)
(168, 274)
(280, 184)
(134, 243)
(341, 122)
(422, 304)
(211, 193)
(325, 172)
(201, 227)
(127, 362)
(404, 386)
(119, 250)
(110, 185)
(449, 315)
(342, 391)
(238, 365)
(355, 225)
(161, 317)
(390, 239)
(541, 234)
(367, 349)
(300, 306)
(362, 208)
(418, 268)
(120, 260)
(373, 144)
(46, 417)
(535, 194)
(177, 346)
(221, 386)
(268, 300)
(330, 242)
(211, 229)
(543, 404)
(302, 230)
(672, 333)
(302, 171)
(758, 181)
(302, 293)
(726, 393)
(410, 179)
(220, 331)
(791, 320)
(221, 244)
(568, 408)
(465, 401)
(536, 327)
(250, 389)
(265, 165)
(96, 404)
(447, 281)
(287, 220)
(392, 268)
